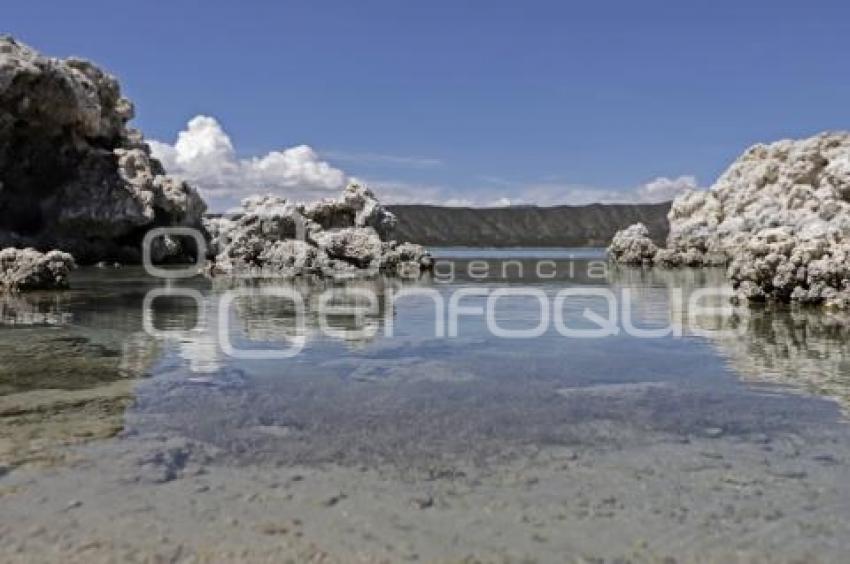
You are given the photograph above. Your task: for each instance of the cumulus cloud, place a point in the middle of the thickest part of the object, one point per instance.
(204, 155)
(506, 194)
(399, 192)
(660, 189)
(663, 189)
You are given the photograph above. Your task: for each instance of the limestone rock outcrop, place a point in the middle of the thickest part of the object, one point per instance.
(73, 175)
(633, 246)
(28, 269)
(271, 237)
(357, 207)
(359, 246)
(779, 217)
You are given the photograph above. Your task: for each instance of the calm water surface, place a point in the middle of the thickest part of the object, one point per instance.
(355, 395)
(395, 384)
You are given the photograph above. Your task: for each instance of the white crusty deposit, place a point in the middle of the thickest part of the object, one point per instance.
(28, 269)
(633, 246)
(75, 177)
(348, 236)
(779, 217)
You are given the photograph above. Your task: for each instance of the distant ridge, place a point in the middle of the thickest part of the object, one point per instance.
(522, 226)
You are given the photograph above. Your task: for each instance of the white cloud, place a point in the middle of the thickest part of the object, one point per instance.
(518, 194)
(663, 189)
(382, 159)
(399, 192)
(204, 155)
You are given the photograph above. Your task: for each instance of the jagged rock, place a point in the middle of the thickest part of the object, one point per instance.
(290, 253)
(218, 230)
(694, 219)
(406, 260)
(74, 176)
(779, 217)
(633, 246)
(28, 269)
(357, 207)
(359, 246)
(253, 239)
(272, 237)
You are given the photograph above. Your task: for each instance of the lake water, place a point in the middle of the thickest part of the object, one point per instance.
(517, 404)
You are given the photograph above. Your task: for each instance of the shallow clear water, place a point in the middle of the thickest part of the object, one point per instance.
(388, 386)
(423, 392)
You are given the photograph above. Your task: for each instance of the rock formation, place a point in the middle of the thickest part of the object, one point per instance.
(271, 237)
(633, 246)
(779, 217)
(357, 207)
(28, 269)
(73, 176)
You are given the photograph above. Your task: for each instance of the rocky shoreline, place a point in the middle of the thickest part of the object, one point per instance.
(80, 186)
(778, 218)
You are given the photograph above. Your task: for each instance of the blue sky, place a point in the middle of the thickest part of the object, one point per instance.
(536, 101)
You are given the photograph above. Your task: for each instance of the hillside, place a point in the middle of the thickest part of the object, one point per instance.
(571, 226)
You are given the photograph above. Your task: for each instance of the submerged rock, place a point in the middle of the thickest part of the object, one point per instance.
(28, 269)
(74, 176)
(271, 237)
(779, 217)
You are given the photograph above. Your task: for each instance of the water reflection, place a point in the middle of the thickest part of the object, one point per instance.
(72, 365)
(37, 309)
(233, 319)
(352, 311)
(802, 349)
(358, 396)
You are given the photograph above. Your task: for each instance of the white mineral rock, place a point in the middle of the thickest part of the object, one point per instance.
(779, 217)
(633, 246)
(345, 237)
(357, 207)
(28, 269)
